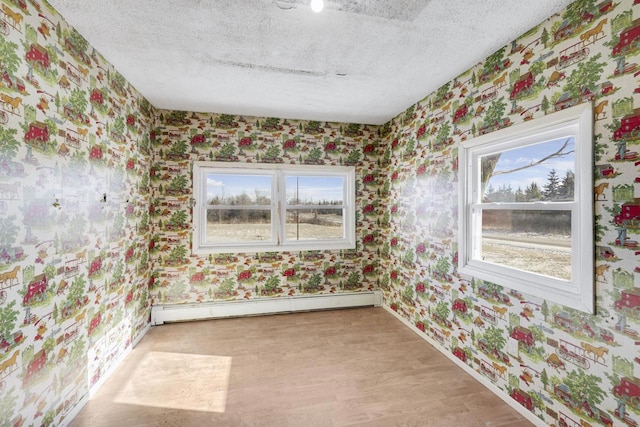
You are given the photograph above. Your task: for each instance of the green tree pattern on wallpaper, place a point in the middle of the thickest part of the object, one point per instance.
(9, 145)
(585, 76)
(9, 59)
(8, 232)
(585, 387)
(8, 317)
(78, 100)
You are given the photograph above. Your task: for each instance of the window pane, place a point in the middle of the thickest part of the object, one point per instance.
(238, 226)
(228, 189)
(314, 224)
(536, 172)
(535, 241)
(315, 190)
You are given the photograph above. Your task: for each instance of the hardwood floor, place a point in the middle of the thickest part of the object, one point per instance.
(356, 367)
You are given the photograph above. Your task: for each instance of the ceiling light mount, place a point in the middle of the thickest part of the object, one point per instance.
(317, 5)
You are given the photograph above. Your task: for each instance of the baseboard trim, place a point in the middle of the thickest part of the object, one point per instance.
(161, 314)
(485, 382)
(92, 391)
(94, 388)
(75, 411)
(141, 335)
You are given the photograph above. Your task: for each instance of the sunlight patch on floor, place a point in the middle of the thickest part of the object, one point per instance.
(191, 382)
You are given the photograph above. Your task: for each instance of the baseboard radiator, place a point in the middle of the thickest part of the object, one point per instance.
(161, 314)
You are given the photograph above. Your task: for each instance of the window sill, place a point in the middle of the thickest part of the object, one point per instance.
(291, 247)
(545, 287)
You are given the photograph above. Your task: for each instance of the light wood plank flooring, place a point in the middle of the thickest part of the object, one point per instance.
(355, 367)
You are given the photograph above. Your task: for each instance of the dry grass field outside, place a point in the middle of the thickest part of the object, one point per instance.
(322, 227)
(548, 254)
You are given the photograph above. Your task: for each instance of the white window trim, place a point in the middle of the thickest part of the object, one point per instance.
(579, 292)
(278, 207)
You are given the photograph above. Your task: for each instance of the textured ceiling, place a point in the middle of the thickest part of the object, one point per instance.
(360, 61)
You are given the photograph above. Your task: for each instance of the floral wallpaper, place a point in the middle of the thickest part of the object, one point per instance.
(74, 202)
(180, 138)
(567, 367)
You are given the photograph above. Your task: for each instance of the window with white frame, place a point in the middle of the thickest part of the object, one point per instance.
(526, 208)
(264, 207)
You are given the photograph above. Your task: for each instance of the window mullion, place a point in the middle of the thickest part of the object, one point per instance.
(279, 200)
(201, 226)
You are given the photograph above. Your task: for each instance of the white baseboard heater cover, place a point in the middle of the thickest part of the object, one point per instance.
(211, 310)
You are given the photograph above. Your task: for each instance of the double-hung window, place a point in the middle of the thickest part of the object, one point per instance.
(263, 207)
(526, 208)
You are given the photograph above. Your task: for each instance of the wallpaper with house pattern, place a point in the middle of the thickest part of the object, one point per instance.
(95, 198)
(74, 202)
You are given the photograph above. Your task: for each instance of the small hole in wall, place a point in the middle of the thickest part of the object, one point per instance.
(103, 199)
